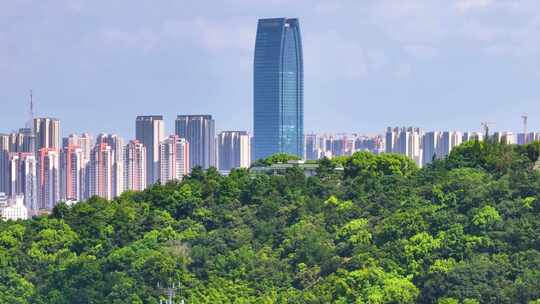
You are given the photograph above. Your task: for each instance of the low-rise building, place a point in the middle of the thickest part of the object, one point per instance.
(12, 208)
(310, 169)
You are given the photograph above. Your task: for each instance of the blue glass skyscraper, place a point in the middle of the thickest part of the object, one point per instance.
(278, 89)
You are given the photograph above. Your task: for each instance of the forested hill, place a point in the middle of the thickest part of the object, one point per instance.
(463, 230)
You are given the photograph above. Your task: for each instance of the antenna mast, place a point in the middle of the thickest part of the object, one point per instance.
(30, 112)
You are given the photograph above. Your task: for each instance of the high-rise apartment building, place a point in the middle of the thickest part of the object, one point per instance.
(505, 137)
(23, 141)
(47, 142)
(526, 138)
(233, 150)
(174, 158)
(439, 144)
(117, 150)
(414, 147)
(72, 173)
(278, 89)
(445, 144)
(312, 149)
(135, 166)
(406, 141)
(199, 131)
(100, 177)
(84, 142)
(341, 144)
(47, 132)
(374, 144)
(472, 136)
(4, 158)
(48, 178)
(430, 146)
(391, 140)
(150, 131)
(23, 178)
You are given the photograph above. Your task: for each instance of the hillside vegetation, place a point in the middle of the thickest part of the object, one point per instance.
(463, 230)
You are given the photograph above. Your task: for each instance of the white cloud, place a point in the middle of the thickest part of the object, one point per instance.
(330, 56)
(421, 51)
(203, 34)
(466, 5)
(412, 21)
(211, 35)
(143, 40)
(403, 70)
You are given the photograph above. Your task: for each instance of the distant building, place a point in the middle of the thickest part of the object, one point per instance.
(276, 169)
(340, 144)
(472, 136)
(374, 144)
(278, 89)
(447, 141)
(4, 158)
(117, 153)
(406, 141)
(47, 132)
(523, 138)
(23, 141)
(174, 158)
(233, 150)
(12, 208)
(311, 146)
(48, 178)
(199, 131)
(135, 166)
(430, 146)
(150, 131)
(72, 172)
(100, 177)
(23, 178)
(504, 137)
(85, 143)
(391, 140)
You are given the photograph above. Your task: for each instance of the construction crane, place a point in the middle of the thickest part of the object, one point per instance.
(525, 131)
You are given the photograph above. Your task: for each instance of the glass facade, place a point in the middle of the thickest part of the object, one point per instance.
(278, 93)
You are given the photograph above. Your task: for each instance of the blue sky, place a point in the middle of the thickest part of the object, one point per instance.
(368, 64)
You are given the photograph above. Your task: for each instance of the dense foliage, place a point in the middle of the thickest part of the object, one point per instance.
(463, 230)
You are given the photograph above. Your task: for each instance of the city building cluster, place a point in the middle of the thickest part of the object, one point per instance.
(318, 146)
(40, 168)
(424, 147)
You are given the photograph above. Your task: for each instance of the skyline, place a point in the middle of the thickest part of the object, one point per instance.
(476, 59)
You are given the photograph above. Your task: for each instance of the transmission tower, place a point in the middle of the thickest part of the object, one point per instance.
(170, 293)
